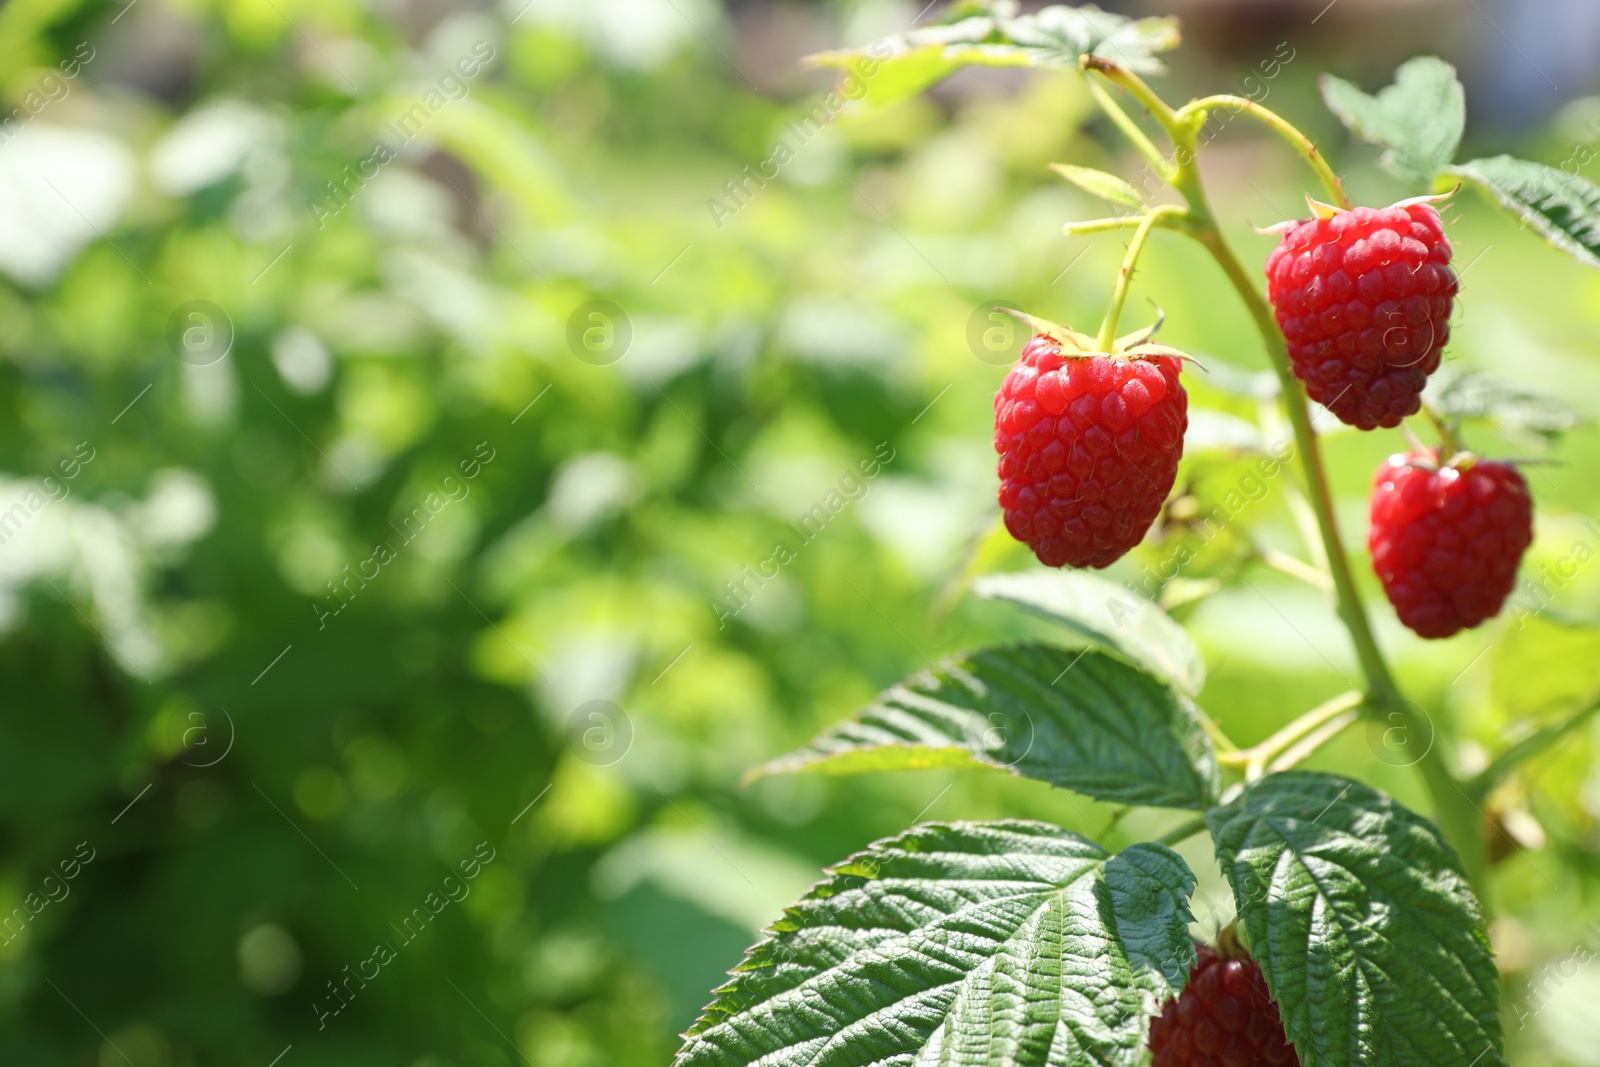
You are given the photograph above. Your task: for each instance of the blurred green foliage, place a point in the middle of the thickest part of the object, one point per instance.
(278, 741)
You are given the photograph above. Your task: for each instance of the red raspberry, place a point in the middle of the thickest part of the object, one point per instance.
(1446, 541)
(1364, 299)
(1223, 1018)
(1089, 447)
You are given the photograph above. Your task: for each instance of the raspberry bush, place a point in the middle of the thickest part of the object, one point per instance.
(1360, 934)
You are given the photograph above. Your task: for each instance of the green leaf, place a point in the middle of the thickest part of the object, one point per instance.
(899, 66)
(1501, 402)
(976, 943)
(1417, 120)
(1368, 934)
(1084, 720)
(1106, 613)
(1107, 187)
(1059, 36)
(1542, 664)
(1563, 208)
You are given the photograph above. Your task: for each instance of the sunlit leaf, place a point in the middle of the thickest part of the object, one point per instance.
(1080, 719)
(978, 943)
(1057, 36)
(1107, 614)
(1418, 120)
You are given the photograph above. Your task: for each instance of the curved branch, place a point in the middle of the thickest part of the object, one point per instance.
(1195, 114)
(1528, 747)
(1119, 295)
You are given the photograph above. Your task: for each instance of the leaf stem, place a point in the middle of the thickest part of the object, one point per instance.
(1300, 570)
(1308, 744)
(1449, 443)
(1182, 833)
(1130, 129)
(1196, 112)
(1458, 817)
(1529, 746)
(1119, 294)
(1225, 747)
(1140, 90)
(1261, 754)
(1121, 222)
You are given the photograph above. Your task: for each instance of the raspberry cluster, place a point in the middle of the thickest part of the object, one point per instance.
(1446, 540)
(1363, 299)
(1089, 448)
(1223, 1018)
(1089, 442)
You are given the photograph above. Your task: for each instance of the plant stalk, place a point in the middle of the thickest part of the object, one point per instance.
(1119, 294)
(1182, 833)
(1303, 748)
(1528, 747)
(1458, 816)
(1130, 129)
(1309, 723)
(1197, 111)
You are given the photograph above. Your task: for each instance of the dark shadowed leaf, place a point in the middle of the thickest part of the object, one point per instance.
(977, 943)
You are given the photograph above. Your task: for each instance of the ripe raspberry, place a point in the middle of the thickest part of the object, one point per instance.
(1364, 299)
(1089, 447)
(1446, 541)
(1223, 1018)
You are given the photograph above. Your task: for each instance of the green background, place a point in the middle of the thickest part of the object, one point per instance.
(269, 790)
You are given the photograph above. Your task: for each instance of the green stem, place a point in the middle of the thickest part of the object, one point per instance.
(1129, 128)
(1299, 570)
(1449, 445)
(1529, 746)
(1262, 754)
(1308, 744)
(1119, 295)
(1140, 90)
(1182, 833)
(1088, 226)
(1458, 817)
(1348, 601)
(1195, 114)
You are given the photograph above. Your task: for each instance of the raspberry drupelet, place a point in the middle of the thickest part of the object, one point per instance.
(1089, 447)
(1364, 299)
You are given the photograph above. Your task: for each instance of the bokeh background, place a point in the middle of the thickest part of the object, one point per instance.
(355, 594)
